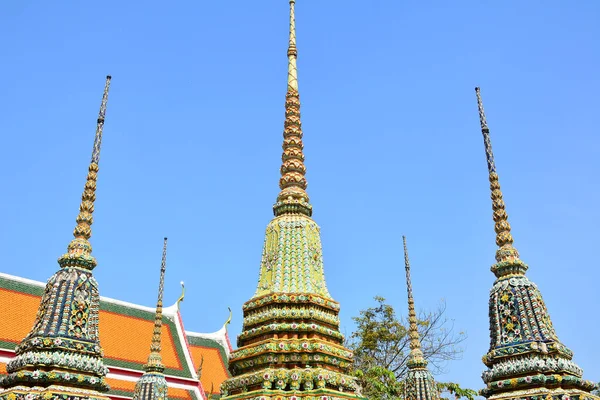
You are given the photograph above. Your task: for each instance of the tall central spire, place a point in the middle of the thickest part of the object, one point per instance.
(419, 383)
(292, 256)
(61, 356)
(153, 384)
(293, 198)
(526, 360)
(291, 346)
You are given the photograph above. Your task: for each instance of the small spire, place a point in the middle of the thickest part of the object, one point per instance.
(506, 253)
(155, 360)
(416, 354)
(293, 198)
(80, 248)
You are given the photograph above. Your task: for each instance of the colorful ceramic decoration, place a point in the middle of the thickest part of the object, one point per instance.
(153, 384)
(419, 383)
(526, 360)
(291, 347)
(61, 356)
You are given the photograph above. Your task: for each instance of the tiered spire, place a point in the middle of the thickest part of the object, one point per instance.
(291, 346)
(153, 385)
(61, 356)
(419, 383)
(292, 256)
(526, 358)
(293, 198)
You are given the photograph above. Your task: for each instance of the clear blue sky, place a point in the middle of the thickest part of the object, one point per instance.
(192, 149)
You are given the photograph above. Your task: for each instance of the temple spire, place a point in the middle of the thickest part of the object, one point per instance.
(80, 246)
(293, 198)
(153, 384)
(419, 383)
(416, 354)
(506, 251)
(64, 340)
(526, 359)
(84, 219)
(155, 359)
(290, 336)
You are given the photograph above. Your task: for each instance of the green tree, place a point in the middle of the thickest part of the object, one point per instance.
(381, 347)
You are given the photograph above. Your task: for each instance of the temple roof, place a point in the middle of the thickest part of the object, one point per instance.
(125, 332)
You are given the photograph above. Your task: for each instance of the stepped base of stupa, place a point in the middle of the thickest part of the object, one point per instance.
(53, 392)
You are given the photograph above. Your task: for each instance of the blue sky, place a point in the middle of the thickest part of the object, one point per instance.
(192, 149)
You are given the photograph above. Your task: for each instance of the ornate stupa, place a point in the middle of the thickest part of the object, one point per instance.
(153, 384)
(526, 359)
(419, 383)
(61, 357)
(291, 346)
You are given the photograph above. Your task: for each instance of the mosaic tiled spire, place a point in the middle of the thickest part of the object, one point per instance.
(419, 383)
(61, 356)
(291, 347)
(153, 385)
(292, 253)
(526, 359)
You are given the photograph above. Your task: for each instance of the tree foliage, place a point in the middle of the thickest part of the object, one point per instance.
(381, 348)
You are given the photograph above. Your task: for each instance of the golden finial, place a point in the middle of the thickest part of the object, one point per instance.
(228, 319)
(292, 50)
(155, 359)
(506, 253)
(293, 198)
(416, 354)
(180, 299)
(79, 250)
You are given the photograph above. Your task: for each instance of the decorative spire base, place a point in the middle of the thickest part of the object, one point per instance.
(291, 348)
(53, 392)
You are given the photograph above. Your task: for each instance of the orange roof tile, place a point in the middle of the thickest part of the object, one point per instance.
(135, 345)
(20, 309)
(2, 368)
(213, 376)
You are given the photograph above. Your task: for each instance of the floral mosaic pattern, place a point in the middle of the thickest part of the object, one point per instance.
(151, 386)
(419, 385)
(290, 312)
(291, 327)
(65, 335)
(292, 260)
(293, 379)
(55, 392)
